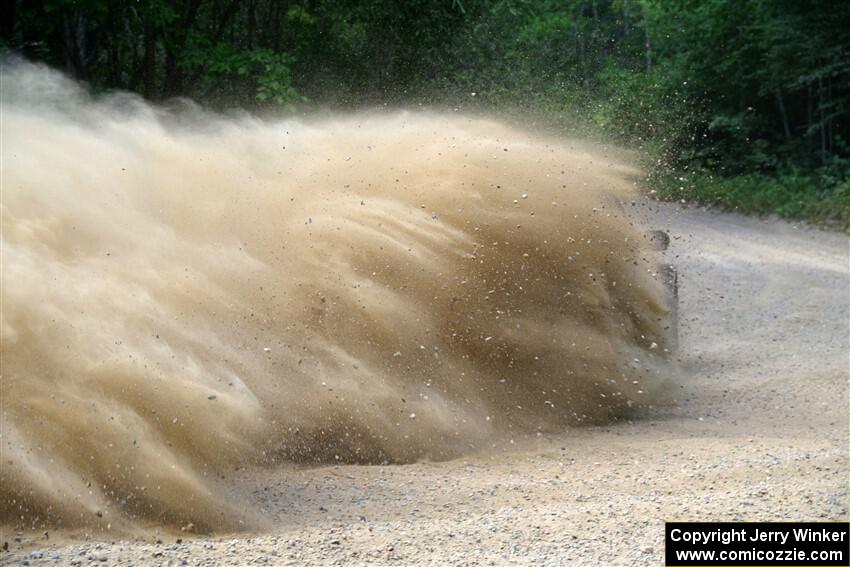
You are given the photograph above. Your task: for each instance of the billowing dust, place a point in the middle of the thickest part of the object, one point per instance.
(185, 293)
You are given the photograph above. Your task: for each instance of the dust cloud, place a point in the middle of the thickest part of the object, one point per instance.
(185, 293)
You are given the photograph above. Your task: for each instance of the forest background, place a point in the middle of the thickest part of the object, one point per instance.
(742, 104)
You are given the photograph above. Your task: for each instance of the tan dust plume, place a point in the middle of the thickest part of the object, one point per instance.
(185, 293)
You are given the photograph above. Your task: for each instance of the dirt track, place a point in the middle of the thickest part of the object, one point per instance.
(758, 431)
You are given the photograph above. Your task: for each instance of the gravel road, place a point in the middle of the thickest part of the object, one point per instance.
(757, 429)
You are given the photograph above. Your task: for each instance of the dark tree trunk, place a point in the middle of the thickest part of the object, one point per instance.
(252, 24)
(829, 133)
(9, 29)
(596, 27)
(822, 121)
(174, 73)
(73, 40)
(228, 14)
(276, 26)
(786, 126)
(809, 117)
(149, 63)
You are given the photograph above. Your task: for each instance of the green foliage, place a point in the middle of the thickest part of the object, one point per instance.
(795, 196)
(646, 111)
(274, 79)
(265, 73)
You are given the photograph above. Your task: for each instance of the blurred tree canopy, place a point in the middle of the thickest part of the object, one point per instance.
(730, 86)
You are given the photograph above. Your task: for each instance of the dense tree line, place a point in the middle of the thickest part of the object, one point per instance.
(731, 86)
